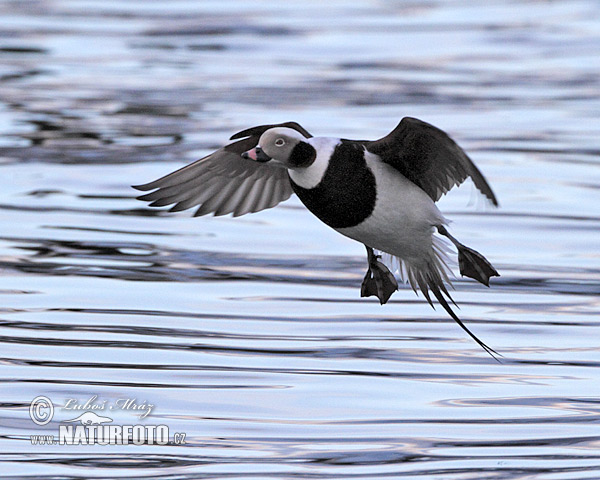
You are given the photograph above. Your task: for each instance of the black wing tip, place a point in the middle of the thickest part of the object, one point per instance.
(473, 171)
(145, 197)
(243, 134)
(144, 187)
(493, 199)
(488, 194)
(259, 130)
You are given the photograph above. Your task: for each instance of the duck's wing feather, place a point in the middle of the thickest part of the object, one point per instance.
(224, 182)
(428, 157)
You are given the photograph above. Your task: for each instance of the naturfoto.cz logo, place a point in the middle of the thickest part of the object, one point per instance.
(90, 428)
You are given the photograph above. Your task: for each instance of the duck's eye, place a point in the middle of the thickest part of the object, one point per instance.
(280, 142)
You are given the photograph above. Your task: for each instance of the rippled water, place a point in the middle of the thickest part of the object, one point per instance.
(249, 334)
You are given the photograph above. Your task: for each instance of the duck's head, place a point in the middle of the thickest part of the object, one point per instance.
(285, 146)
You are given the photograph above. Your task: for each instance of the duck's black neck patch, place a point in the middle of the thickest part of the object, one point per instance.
(303, 155)
(346, 194)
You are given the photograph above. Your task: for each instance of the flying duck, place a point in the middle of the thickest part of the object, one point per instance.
(381, 193)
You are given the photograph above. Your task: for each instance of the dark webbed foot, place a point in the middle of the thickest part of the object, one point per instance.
(474, 265)
(378, 281)
(471, 263)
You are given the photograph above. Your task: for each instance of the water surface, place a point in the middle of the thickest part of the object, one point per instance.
(249, 334)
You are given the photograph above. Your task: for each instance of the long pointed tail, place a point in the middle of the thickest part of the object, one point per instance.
(437, 288)
(432, 277)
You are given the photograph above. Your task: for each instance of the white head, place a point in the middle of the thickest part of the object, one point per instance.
(283, 145)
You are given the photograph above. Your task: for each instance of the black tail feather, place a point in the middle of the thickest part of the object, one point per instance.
(431, 275)
(429, 283)
(493, 353)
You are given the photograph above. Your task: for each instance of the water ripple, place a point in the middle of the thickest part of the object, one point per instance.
(249, 335)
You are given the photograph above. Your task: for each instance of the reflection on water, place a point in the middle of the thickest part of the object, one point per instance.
(249, 334)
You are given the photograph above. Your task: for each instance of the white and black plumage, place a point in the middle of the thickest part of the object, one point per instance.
(381, 193)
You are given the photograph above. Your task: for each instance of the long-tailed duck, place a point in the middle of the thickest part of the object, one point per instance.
(381, 193)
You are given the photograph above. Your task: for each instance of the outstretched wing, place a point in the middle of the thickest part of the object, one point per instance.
(428, 157)
(224, 182)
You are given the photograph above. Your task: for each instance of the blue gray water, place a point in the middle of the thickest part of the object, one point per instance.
(249, 334)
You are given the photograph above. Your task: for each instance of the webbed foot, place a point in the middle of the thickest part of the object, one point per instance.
(474, 265)
(378, 280)
(471, 263)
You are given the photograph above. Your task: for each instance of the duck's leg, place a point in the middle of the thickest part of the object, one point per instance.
(471, 263)
(378, 281)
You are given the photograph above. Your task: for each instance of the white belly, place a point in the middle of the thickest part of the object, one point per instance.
(403, 220)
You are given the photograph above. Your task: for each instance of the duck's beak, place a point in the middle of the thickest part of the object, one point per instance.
(257, 155)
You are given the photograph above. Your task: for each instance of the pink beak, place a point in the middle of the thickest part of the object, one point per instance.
(251, 154)
(257, 155)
